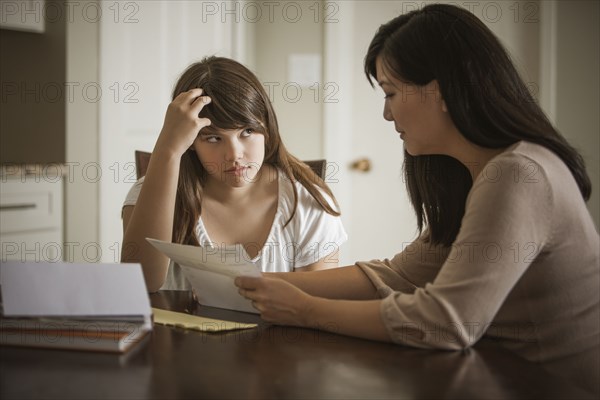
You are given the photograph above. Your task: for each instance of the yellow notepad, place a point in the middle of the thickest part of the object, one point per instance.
(188, 321)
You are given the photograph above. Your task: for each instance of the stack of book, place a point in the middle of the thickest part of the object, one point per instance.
(75, 334)
(97, 307)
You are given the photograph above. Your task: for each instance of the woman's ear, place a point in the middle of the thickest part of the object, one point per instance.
(444, 106)
(439, 93)
(435, 88)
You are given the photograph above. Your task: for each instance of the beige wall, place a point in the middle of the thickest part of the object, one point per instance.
(574, 105)
(81, 195)
(578, 85)
(299, 113)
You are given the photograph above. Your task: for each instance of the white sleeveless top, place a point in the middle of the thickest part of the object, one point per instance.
(311, 235)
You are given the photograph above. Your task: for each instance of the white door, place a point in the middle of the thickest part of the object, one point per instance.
(375, 208)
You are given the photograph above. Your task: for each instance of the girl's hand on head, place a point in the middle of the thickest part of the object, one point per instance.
(278, 301)
(182, 124)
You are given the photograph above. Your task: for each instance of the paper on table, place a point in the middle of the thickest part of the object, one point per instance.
(73, 290)
(195, 322)
(211, 272)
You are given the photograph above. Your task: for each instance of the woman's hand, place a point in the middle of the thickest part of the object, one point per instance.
(182, 124)
(278, 301)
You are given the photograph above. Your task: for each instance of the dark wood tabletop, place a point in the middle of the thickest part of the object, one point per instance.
(271, 362)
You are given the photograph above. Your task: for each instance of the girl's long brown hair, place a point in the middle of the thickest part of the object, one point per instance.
(238, 101)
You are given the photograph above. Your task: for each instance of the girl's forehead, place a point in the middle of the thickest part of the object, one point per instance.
(234, 127)
(216, 130)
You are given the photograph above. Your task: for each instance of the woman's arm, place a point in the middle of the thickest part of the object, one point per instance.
(282, 303)
(348, 283)
(349, 317)
(324, 299)
(152, 216)
(453, 310)
(330, 261)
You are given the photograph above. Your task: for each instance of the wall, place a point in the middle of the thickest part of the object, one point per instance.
(32, 107)
(291, 27)
(577, 90)
(82, 193)
(572, 103)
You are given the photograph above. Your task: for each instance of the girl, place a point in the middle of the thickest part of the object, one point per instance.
(220, 175)
(507, 248)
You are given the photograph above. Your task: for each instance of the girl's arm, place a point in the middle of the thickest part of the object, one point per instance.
(152, 216)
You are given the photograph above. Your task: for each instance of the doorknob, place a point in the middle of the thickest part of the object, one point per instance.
(361, 165)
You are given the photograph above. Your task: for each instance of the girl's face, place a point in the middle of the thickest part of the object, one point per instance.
(232, 157)
(418, 112)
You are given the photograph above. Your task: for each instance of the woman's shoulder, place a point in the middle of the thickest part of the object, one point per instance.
(525, 162)
(525, 154)
(525, 176)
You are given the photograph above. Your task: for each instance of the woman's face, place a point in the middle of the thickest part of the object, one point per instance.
(232, 157)
(418, 112)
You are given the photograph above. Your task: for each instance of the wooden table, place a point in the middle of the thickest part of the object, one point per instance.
(271, 362)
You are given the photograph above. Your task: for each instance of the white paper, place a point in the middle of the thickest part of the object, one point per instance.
(73, 290)
(211, 272)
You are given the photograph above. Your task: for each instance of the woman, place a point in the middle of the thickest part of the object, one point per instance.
(507, 248)
(219, 175)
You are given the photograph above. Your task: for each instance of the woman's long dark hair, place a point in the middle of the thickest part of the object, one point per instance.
(238, 100)
(486, 98)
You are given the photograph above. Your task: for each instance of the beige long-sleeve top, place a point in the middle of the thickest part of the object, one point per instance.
(524, 271)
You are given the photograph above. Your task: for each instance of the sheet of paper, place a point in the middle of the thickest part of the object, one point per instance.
(66, 289)
(195, 322)
(223, 261)
(211, 272)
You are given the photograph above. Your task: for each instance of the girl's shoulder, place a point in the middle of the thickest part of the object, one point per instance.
(303, 194)
(134, 193)
(306, 201)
